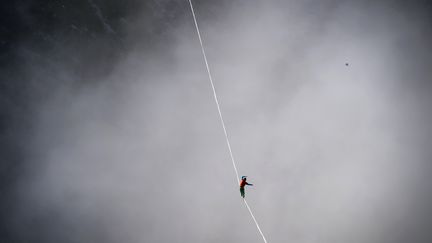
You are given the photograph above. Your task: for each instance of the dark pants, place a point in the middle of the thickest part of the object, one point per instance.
(242, 192)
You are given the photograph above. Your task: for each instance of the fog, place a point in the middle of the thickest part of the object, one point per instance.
(336, 152)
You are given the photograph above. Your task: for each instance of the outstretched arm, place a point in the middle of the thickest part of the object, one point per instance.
(249, 184)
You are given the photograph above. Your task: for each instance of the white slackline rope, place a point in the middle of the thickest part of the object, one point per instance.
(214, 93)
(220, 116)
(256, 223)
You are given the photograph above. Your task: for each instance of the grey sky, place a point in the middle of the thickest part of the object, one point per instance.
(336, 153)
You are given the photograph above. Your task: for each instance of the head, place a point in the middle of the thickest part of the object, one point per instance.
(243, 178)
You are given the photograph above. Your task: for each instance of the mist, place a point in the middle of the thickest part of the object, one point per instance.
(326, 103)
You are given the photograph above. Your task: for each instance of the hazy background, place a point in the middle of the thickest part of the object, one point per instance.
(109, 131)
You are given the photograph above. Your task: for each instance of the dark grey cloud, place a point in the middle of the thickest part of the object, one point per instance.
(113, 136)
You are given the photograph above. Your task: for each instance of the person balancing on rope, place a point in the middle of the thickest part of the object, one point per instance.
(243, 183)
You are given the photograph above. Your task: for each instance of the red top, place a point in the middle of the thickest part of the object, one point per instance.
(243, 183)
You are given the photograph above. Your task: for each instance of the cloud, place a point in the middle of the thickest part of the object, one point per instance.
(336, 153)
